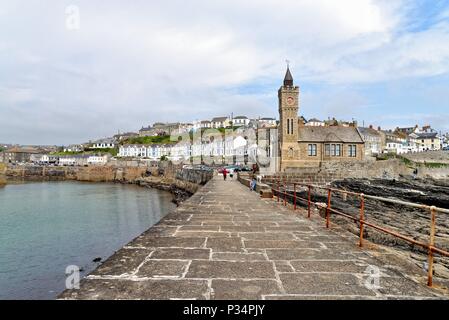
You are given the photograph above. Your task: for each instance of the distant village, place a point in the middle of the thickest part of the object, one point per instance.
(290, 142)
(100, 152)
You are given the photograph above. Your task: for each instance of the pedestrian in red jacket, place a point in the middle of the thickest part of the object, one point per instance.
(225, 173)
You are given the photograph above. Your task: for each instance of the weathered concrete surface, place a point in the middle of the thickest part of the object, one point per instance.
(225, 242)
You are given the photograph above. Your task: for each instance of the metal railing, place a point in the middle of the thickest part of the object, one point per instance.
(280, 191)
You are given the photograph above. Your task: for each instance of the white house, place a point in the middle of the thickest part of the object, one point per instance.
(240, 121)
(220, 122)
(315, 123)
(267, 122)
(104, 144)
(74, 148)
(98, 159)
(73, 160)
(133, 151)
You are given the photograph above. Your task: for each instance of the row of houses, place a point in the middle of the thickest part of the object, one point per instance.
(401, 140)
(20, 155)
(215, 123)
(214, 146)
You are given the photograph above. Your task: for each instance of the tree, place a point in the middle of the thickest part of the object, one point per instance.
(164, 158)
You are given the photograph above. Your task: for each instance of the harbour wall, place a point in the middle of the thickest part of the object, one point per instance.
(164, 176)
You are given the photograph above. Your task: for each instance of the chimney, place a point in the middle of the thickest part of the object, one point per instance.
(370, 126)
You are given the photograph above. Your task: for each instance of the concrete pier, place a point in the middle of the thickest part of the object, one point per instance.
(225, 242)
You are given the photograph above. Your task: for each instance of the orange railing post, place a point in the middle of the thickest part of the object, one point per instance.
(285, 191)
(362, 218)
(279, 187)
(431, 245)
(328, 209)
(309, 203)
(294, 196)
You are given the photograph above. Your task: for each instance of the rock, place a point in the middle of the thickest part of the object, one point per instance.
(408, 221)
(97, 260)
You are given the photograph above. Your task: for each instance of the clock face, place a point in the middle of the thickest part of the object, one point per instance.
(290, 101)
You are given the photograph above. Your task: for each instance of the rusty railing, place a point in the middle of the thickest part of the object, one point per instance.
(279, 188)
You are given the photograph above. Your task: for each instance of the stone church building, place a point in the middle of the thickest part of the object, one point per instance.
(303, 146)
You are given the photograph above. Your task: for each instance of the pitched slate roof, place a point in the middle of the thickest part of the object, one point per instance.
(219, 119)
(329, 134)
(369, 131)
(427, 135)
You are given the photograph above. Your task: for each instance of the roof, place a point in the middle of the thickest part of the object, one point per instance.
(241, 117)
(329, 134)
(205, 121)
(271, 119)
(368, 131)
(219, 119)
(427, 135)
(315, 120)
(106, 140)
(288, 79)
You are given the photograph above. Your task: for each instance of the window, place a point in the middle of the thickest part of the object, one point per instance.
(327, 150)
(332, 150)
(289, 126)
(352, 150)
(338, 150)
(312, 150)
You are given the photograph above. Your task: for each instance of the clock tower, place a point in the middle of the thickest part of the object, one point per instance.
(288, 96)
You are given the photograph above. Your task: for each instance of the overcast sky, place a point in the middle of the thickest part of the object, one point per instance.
(127, 64)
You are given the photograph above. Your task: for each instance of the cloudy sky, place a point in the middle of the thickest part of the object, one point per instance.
(71, 71)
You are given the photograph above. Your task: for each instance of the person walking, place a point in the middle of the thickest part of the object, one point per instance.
(225, 173)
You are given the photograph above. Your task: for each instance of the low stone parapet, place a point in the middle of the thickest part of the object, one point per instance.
(263, 189)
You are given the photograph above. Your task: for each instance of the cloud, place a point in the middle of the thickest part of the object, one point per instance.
(133, 64)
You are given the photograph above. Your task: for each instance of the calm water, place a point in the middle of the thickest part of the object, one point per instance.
(46, 226)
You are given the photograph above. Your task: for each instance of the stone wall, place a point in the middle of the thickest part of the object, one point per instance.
(91, 174)
(385, 169)
(428, 156)
(2, 174)
(200, 177)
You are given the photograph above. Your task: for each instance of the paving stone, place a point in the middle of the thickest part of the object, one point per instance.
(124, 261)
(402, 287)
(267, 236)
(227, 269)
(280, 244)
(238, 256)
(202, 234)
(328, 266)
(225, 245)
(283, 266)
(307, 254)
(243, 290)
(242, 229)
(199, 228)
(169, 242)
(162, 268)
(323, 284)
(93, 289)
(181, 253)
(288, 228)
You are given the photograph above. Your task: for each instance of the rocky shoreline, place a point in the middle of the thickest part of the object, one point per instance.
(181, 183)
(411, 222)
